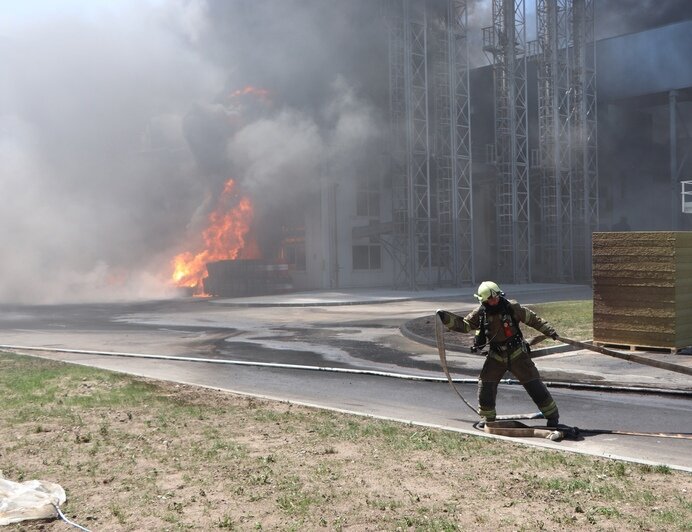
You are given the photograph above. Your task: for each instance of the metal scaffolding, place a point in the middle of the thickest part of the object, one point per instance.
(431, 242)
(567, 138)
(585, 159)
(554, 106)
(505, 42)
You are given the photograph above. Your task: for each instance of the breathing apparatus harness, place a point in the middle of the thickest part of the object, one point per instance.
(504, 309)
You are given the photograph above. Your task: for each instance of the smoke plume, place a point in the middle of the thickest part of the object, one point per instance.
(118, 125)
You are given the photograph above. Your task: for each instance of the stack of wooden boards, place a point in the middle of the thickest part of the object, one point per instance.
(642, 286)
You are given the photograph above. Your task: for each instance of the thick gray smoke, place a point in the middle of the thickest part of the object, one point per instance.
(617, 17)
(89, 205)
(118, 126)
(120, 123)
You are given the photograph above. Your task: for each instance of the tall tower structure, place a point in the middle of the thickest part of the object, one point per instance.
(431, 241)
(505, 42)
(567, 138)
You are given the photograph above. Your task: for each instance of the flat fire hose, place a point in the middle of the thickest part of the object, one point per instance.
(516, 429)
(629, 357)
(439, 336)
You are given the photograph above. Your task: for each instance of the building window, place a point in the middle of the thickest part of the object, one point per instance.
(294, 253)
(368, 198)
(367, 257)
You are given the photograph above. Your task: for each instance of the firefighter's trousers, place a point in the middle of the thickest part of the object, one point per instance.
(522, 367)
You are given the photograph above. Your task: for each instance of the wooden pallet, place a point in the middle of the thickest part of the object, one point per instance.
(631, 347)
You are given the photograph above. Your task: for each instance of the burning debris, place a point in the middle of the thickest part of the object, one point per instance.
(226, 237)
(246, 277)
(230, 262)
(228, 250)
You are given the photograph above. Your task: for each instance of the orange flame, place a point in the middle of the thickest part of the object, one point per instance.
(226, 237)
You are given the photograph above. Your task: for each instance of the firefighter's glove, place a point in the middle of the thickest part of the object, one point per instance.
(447, 318)
(477, 344)
(549, 331)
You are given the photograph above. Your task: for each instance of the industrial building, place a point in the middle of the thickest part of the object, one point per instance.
(503, 171)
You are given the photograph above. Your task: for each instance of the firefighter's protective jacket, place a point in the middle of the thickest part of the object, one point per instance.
(501, 323)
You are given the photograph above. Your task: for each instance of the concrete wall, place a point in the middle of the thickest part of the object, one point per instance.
(647, 62)
(329, 220)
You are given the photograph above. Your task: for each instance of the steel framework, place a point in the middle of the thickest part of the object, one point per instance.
(585, 160)
(505, 42)
(554, 133)
(567, 138)
(432, 238)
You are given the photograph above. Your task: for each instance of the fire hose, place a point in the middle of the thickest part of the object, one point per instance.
(629, 357)
(509, 426)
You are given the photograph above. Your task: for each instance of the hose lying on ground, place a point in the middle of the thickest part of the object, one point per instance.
(627, 356)
(375, 373)
(516, 429)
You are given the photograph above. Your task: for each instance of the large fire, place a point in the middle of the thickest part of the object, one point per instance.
(226, 237)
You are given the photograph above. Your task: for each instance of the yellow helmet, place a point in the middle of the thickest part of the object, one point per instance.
(486, 290)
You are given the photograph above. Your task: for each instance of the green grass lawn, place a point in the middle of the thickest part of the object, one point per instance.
(571, 319)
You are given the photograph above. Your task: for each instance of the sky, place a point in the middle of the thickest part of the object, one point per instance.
(120, 123)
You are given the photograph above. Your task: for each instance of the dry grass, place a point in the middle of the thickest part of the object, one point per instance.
(135, 454)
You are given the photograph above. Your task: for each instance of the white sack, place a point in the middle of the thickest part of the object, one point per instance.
(33, 499)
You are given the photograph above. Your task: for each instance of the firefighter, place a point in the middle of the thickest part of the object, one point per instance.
(496, 321)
